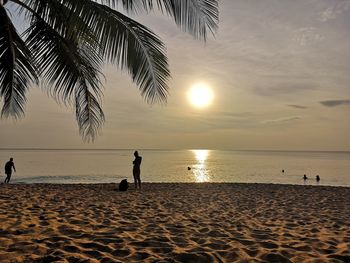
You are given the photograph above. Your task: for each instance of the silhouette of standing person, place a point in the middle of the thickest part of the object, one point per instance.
(136, 170)
(8, 170)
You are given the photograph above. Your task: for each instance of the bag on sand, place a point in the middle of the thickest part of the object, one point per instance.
(123, 185)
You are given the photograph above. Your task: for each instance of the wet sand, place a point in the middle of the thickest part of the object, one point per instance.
(174, 223)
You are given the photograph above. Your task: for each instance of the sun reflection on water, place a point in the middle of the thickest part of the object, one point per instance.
(199, 169)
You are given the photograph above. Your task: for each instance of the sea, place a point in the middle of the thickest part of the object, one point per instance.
(64, 166)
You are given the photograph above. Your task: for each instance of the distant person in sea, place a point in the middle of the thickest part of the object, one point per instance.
(282, 170)
(8, 170)
(136, 171)
(318, 178)
(305, 177)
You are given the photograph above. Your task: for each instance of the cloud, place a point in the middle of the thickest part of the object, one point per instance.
(334, 103)
(276, 89)
(328, 14)
(307, 35)
(282, 120)
(233, 115)
(334, 11)
(297, 106)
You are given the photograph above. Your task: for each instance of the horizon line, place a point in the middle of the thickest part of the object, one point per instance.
(163, 149)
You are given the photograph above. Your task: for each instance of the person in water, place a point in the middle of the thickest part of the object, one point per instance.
(8, 170)
(305, 177)
(136, 170)
(318, 178)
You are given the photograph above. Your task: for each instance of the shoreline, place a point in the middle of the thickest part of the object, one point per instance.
(174, 222)
(131, 183)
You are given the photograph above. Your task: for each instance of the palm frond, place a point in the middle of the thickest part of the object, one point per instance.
(72, 69)
(61, 16)
(130, 45)
(63, 62)
(122, 41)
(131, 6)
(16, 68)
(89, 114)
(193, 16)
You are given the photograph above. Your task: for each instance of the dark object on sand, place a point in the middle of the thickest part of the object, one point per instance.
(123, 185)
(188, 168)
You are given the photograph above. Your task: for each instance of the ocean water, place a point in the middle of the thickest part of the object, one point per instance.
(106, 166)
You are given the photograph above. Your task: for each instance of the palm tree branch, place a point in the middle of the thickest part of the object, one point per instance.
(16, 68)
(72, 70)
(89, 114)
(193, 16)
(23, 5)
(130, 45)
(63, 61)
(62, 17)
(117, 34)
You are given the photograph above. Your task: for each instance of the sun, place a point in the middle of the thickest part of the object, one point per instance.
(200, 95)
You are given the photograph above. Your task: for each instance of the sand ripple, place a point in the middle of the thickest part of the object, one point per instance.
(174, 223)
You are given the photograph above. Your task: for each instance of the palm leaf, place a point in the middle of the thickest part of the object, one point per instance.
(131, 45)
(16, 68)
(122, 41)
(193, 16)
(60, 59)
(72, 69)
(128, 44)
(89, 113)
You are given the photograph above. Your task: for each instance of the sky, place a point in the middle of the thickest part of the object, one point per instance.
(279, 71)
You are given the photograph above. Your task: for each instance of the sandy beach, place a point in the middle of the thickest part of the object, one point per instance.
(174, 223)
